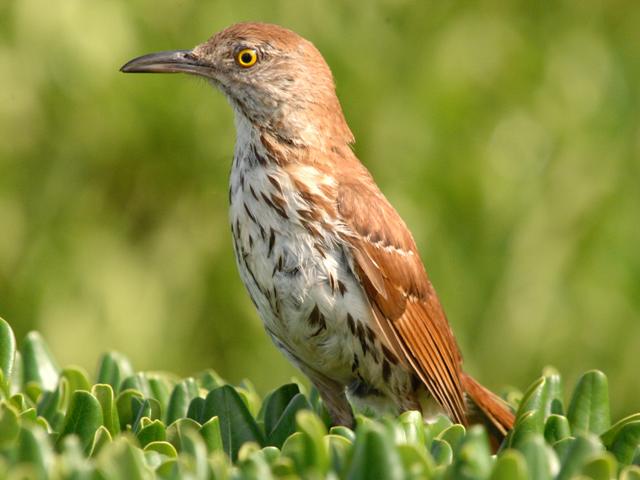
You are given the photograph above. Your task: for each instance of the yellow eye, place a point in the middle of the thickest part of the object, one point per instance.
(246, 57)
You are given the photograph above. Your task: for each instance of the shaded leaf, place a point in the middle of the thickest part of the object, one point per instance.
(113, 368)
(100, 439)
(153, 432)
(556, 428)
(83, 418)
(537, 455)
(181, 396)
(212, 435)
(626, 442)
(374, 456)
(576, 456)
(474, 458)
(275, 404)
(164, 448)
(602, 467)
(105, 396)
(589, 407)
(236, 423)
(38, 364)
(510, 465)
(7, 350)
(286, 424)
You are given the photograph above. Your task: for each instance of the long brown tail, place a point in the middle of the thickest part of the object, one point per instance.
(491, 410)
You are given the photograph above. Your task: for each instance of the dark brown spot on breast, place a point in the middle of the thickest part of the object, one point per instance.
(276, 184)
(279, 208)
(246, 209)
(355, 364)
(316, 319)
(351, 324)
(253, 192)
(388, 354)
(362, 338)
(386, 370)
(272, 240)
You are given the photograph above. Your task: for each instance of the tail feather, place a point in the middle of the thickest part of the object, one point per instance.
(491, 409)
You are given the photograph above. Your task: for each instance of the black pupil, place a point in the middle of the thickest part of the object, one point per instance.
(246, 57)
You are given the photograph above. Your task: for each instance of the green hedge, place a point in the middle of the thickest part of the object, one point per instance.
(58, 423)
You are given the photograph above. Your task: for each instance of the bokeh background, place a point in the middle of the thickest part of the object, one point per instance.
(506, 133)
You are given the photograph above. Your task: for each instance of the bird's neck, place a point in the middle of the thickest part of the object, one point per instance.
(294, 128)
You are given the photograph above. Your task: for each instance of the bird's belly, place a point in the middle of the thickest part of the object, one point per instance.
(297, 292)
(310, 301)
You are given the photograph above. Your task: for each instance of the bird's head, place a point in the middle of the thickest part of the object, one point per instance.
(273, 78)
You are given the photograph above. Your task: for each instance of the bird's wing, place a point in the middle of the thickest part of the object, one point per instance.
(402, 297)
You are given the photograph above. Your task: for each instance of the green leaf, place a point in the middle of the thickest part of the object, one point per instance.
(526, 424)
(9, 425)
(160, 390)
(196, 410)
(626, 442)
(33, 448)
(125, 407)
(210, 380)
(589, 407)
(630, 473)
(539, 458)
(137, 381)
(531, 399)
(374, 456)
(236, 423)
(164, 448)
(100, 439)
(193, 446)
(77, 379)
(181, 396)
(313, 431)
(113, 368)
(556, 428)
(511, 465)
(105, 396)
(50, 404)
(343, 432)
(576, 456)
(338, 448)
(16, 382)
(608, 436)
(153, 432)
(255, 468)
(121, 459)
(441, 452)
(7, 350)
(416, 462)
(83, 418)
(275, 404)
(412, 424)
(474, 458)
(602, 467)
(212, 435)
(178, 429)
(286, 424)
(453, 436)
(38, 364)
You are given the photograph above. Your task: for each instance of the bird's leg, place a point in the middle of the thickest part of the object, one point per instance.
(334, 397)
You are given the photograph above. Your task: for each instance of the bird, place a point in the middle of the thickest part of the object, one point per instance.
(332, 269)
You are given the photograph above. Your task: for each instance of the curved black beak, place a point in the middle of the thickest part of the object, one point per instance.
(175, 61)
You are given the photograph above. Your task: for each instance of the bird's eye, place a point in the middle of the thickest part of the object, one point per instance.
(246, 57)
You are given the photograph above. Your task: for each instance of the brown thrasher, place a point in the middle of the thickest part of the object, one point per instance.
(331, 267)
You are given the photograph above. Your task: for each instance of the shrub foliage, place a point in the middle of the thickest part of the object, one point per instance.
(57, 423)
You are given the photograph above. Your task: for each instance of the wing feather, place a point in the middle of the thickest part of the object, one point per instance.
(405, 305)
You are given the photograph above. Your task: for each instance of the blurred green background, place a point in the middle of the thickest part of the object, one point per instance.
(506, 133)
